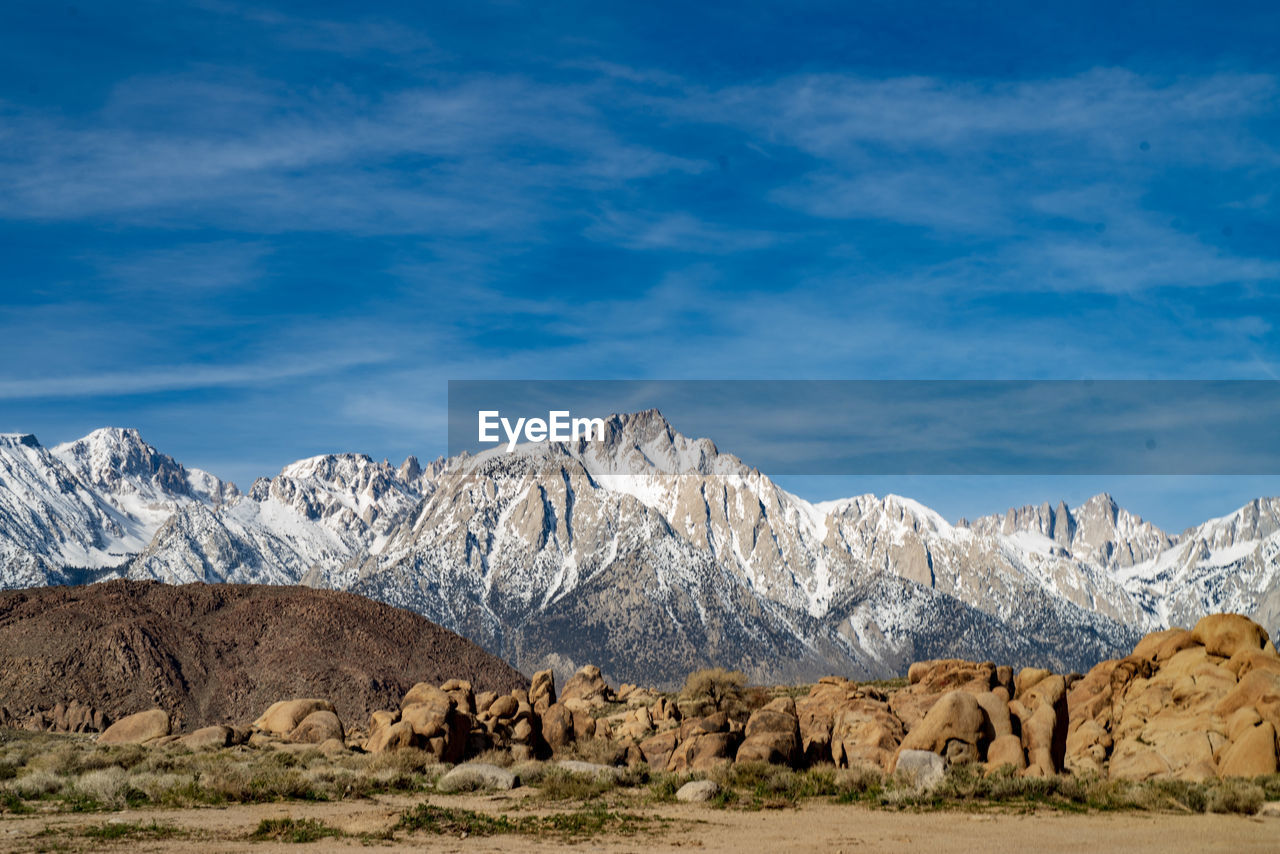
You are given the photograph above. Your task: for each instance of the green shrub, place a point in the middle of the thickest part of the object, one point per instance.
(1237, 796)
(114, 831)
(663, 787)
(293, 830)
(429, 818)
(561, 785)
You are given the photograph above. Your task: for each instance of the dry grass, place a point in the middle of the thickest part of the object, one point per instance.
(966, 787)
(598, 751)
(73, 773)
(756, 785)
(559, 784)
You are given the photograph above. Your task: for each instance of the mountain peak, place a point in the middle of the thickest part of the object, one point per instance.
(13, 440)
(117, 460)
(1103, 500)
(328, 466)
(114, 434)
(410, 469)
(645, 442)
(645, 425)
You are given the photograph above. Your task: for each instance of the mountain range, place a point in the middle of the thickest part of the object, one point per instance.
(648, 553)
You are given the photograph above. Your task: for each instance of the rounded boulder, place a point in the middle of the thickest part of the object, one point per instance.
(1227, 634)
(953, 727)
(137, 728)
(283, 717)
(316, 728)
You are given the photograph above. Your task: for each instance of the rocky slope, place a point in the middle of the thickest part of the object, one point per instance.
(649, 553)
(216, 653)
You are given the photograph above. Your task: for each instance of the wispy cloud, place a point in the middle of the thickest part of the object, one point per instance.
(835, 116)
(679, 232)
(463, 156)
(184, 270)
(348, 38)
(510, 157)
(177, 378)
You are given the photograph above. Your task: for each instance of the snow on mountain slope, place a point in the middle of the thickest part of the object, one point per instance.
(509, 540)
(1231, 563)
(299, 526)
(118, 463)
(50, 520)
(1099, 531)
(112, 503)
(802, 555)
(143, 485)
(647, 553)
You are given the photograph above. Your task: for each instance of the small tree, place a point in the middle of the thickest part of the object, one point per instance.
(714, 689)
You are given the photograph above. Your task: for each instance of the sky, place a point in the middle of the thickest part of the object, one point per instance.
(260, 232)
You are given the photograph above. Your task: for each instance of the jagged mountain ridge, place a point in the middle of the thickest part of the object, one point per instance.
(647, 553)
(508, 542)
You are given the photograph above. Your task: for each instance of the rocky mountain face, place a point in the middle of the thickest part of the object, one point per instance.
(130, 474)
(50, 519)
(213, 653)
(302, 525)
(649, 553)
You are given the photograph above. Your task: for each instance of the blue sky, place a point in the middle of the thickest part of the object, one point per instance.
(258, 232)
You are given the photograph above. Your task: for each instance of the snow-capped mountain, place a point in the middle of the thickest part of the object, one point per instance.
(299, 526)
(1227, 564)
(544, 550)
(648, 553)
(50, 520)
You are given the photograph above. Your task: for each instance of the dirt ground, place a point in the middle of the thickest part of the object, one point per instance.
(810, 827)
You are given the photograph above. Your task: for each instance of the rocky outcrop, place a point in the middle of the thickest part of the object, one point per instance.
(138, 728)
(1041, 712)
(211, 738)
(74, 716)
(847, 724)
(1186, 705)
(955, 728)
(282, 717)
(705, 743)
(452, 722)
(772, 735)
(317, 728)
(542, 691)
(586, 688)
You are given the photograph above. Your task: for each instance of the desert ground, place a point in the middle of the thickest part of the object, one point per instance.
(369, 824)
(68, 793)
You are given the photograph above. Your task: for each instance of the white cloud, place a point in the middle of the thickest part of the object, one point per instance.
(178, 378)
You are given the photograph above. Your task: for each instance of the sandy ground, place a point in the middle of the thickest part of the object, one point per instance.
(811, 827)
